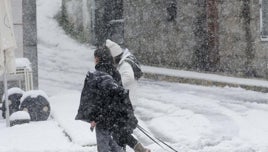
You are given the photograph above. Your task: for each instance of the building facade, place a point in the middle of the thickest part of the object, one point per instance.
(218, 36)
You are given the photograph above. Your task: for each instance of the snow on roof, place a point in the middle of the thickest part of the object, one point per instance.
(20, 115)
(13, 90)
(34, 94)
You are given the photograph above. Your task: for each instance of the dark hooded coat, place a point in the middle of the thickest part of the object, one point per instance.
(105, 101)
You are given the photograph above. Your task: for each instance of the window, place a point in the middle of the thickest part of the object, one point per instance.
(264, 20)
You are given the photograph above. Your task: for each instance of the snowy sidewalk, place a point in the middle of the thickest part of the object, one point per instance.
(64, 109)
(204, 78)
(42, 136)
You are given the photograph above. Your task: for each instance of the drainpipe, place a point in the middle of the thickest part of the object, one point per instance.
(213, 35)
(249, 51)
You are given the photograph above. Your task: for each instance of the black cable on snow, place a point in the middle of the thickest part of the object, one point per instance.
(152, 138)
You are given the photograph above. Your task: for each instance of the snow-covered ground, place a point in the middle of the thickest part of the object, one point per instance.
(189, 118)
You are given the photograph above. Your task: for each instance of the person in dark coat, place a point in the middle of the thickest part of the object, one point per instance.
(105, 105)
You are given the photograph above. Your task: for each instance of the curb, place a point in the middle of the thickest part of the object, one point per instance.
(203, 82)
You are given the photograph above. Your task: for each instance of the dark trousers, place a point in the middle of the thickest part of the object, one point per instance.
(125, 139)
(105, 142)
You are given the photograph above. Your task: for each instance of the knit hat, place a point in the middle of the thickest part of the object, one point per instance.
(114, 48)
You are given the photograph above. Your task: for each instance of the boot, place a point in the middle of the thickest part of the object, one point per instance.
(139, 148)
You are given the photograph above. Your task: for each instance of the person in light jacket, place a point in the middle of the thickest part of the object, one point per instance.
(124, 68)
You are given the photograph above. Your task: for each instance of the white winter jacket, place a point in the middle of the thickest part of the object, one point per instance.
(126, 71)
(127, 75)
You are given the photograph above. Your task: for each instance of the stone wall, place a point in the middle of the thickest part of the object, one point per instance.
(241, 51)
(213, 36)
(184, 43)
(154, 39)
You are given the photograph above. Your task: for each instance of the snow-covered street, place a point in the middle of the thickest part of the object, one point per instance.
(190, 118)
